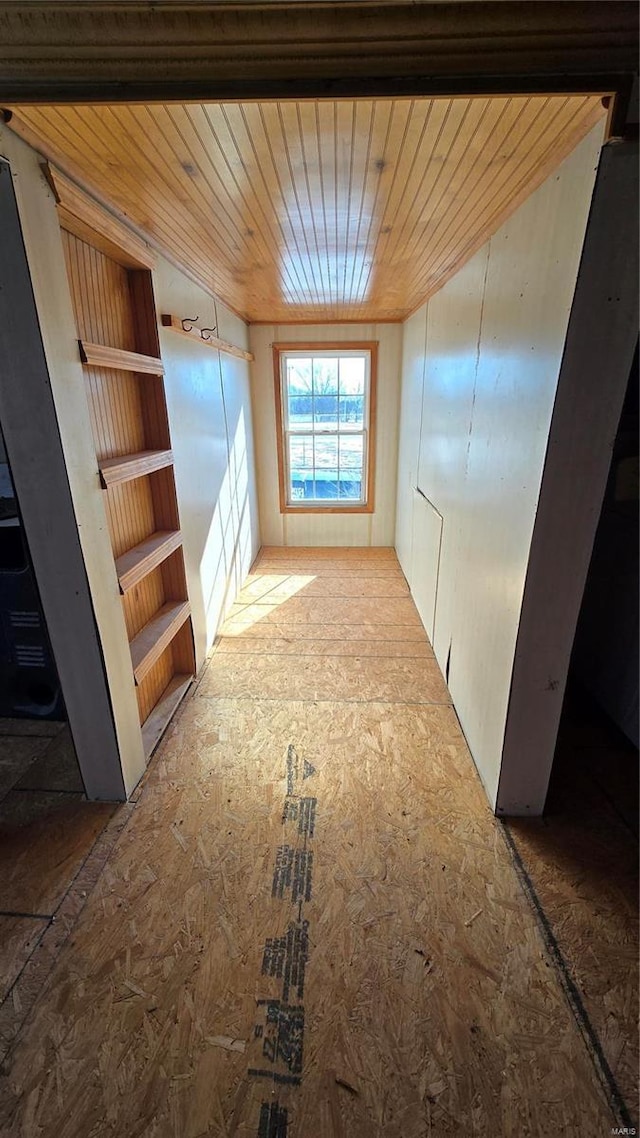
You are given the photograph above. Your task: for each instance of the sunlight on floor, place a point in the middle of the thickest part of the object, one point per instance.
(261, 596)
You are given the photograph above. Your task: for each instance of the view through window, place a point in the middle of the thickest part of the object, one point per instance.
(325, 398)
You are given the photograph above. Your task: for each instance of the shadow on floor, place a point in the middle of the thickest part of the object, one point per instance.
(582, 859)
(47, 831)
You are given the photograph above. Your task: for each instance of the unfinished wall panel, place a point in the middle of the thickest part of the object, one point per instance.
(494, 338)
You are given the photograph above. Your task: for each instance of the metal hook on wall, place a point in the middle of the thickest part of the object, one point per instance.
(189, 322)
(213, 330)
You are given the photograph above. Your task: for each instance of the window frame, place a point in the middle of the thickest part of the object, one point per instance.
(319, 348)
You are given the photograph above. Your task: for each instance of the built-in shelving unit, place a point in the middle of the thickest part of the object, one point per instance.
(154, 726)
(134, 565)
(151, 641)
(129, 466)
(119, 347)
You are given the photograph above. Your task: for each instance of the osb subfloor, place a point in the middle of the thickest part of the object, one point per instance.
(311, 924)
(582, 859)
(47, 832)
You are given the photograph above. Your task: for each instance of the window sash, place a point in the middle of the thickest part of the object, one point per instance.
(310, 430)
(310, 502)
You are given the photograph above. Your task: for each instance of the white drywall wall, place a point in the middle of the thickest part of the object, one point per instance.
(601, 341)
(485, 353)
(377, 528)
(209, 406)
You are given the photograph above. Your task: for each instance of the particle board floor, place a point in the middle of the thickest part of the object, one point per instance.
(582, 859)
(310, 924)
(47, 832)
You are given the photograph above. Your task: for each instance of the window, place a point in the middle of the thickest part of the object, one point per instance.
(325, 400)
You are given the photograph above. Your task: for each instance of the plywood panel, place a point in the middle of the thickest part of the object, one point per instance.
(392, 679)
(318, 209)
(293, 632)
(259, 645)
(19, 937)
(271, 587)
(346, 610)
(56, 768)
(45, 838)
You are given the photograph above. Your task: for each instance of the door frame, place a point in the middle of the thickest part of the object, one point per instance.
(39, 473)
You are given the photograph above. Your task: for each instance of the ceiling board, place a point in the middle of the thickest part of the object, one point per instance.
(316, 210)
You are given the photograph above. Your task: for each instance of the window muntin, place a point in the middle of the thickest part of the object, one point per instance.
(325, 403)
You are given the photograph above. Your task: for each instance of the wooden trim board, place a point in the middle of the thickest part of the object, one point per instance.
(154, 727)
(82, 215)
(99, 355)
(134, 565)
(152, 640)
(129, 466)
(175, 324)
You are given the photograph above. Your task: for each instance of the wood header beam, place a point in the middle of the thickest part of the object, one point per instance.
(122, 52)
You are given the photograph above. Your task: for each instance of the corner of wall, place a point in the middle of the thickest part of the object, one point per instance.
(45, 255)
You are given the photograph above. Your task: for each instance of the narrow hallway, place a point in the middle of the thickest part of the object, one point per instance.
(311, 924)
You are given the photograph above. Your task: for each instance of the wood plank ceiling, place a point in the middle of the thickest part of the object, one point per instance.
(315, 210)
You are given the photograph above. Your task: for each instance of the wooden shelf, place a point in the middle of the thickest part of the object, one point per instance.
(151, 641)
(129, 466)
(153, 728)
(100, 356)
(175, 324)
(139, 561)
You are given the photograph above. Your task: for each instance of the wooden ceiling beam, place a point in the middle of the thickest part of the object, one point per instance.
(127, 51)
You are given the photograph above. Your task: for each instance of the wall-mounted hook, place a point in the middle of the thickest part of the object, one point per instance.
(214, 332)
(190, 322)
